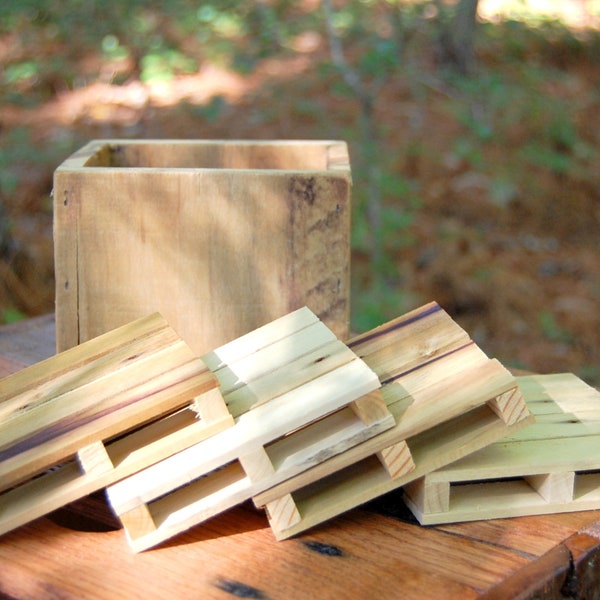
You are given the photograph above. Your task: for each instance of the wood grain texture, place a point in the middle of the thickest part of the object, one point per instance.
(294, 423)
(219, 237)
(86, 417)
(226, 556)
(439, 386)
(551, 466)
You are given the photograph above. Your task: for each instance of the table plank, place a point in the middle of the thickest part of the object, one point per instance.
(376, 551)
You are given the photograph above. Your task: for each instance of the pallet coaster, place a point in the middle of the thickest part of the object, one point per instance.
(552, 466)
(448, 400)
(91, 415)
(298, 395)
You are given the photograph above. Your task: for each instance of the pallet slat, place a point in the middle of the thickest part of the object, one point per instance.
(93, 414)
(283, 425)
(551, 466)
(448, 400)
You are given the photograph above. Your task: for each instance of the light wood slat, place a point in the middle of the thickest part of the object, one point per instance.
(443, 408)
(34, 454)
(57, 431)
(71, 368)
(260, 338)
(266, 360)
(520, 458)
(559, 425)
(551, 466)
(324, 410)
(313, 364)
(101, 395)
(423, 334)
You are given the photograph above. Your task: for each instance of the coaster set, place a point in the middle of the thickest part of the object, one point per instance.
(291, 417)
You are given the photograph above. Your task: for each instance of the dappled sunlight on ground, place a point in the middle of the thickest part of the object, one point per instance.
(515, 261)
(574, 13)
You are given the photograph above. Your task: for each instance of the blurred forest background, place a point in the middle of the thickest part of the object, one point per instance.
(471, 125)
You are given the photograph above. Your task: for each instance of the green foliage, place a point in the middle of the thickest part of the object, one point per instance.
(11, 315)
(379, 301)
(18, 153)
(163, 64)
(551, 329)
(510, 102)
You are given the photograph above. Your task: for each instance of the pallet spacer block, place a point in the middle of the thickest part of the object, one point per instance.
(299, 396)
(98, 412)
(448, 400)
(551, 466)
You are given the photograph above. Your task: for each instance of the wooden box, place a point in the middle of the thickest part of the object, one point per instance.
(220, 237)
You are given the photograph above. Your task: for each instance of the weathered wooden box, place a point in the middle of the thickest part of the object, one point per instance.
(220, 237)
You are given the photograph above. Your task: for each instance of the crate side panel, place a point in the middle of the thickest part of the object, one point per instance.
(217, 253)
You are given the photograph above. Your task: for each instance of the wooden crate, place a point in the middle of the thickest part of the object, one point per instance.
(552, 466)
(299, 396)
(220, 237)
(87, 417)
(448, 400)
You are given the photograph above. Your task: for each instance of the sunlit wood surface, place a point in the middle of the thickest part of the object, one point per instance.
(377, 551)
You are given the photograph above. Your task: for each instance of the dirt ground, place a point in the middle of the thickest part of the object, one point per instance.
(522, 276)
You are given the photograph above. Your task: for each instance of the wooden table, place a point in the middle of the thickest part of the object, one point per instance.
(377, 551)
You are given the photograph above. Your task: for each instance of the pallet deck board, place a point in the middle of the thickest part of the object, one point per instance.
(551, 466)
(447, 397)
(93, 414)
(298, 395)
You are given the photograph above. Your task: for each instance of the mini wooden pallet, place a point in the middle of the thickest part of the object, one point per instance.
(550, 467)
(448, 400)
(89, 416)
(298, 395)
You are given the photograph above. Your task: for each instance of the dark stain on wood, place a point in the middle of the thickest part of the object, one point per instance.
(385, 329)
(239, 590)
(304, 188)
(323, 549)
(73, 422)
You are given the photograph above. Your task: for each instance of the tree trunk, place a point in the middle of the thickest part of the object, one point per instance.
(455, 38)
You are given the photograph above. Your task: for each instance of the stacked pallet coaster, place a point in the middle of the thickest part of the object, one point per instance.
(448, 400)
(96, 413)
(298, 396)
(552, 466)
